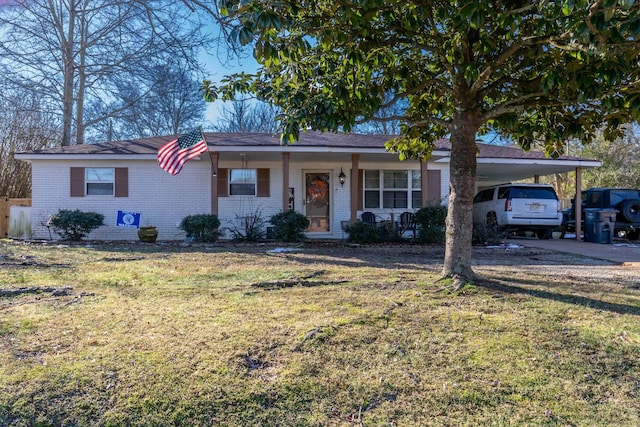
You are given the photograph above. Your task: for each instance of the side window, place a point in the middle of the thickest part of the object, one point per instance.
(99, 181)
(503, 192)
(591, 199)
(242, 182)
(484, 196)
(617, 197)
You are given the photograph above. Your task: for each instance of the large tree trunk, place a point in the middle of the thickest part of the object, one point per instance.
(457, 261)
(69, 70)
(82, 79)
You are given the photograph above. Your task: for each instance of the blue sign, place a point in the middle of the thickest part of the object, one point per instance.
(128, 219)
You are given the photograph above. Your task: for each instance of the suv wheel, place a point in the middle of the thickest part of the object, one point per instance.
(631, 210)
(543, 233)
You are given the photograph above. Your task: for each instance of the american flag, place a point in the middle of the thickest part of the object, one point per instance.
(174, 154)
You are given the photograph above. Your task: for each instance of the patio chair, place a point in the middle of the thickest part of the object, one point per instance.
(368, 218)
(407, 223)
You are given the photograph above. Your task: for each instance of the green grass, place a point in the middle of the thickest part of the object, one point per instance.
(157, 335)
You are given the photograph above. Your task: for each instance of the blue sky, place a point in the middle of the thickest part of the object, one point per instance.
(216, 70)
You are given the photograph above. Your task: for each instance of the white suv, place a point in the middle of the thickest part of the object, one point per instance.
(518, 207)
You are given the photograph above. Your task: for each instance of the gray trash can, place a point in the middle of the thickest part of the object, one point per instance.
(608, 215)
(606, 225)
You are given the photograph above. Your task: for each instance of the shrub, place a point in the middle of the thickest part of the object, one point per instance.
(74, 225)
(203, 228)
(486, 236)
(431, 221)
(249, 227)
(362, 232)
(289, 226)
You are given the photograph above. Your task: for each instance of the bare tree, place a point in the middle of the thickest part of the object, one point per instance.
(245, 115)
(169, 101)
(23, 127)
(71, 52)
(387, 121)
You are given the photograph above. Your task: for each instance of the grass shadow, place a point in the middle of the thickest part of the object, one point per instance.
(567, 299)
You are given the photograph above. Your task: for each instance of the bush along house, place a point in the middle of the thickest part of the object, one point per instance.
(330, 178)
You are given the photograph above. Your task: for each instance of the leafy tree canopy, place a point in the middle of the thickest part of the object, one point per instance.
(530, 70)
(620, 159)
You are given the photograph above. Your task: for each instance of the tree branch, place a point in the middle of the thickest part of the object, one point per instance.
(520, 104)
(492, 66)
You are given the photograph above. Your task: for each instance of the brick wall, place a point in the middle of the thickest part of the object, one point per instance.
(163, 200)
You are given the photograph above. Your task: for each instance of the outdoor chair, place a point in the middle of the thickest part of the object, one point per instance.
(368, 218)
(407, 223)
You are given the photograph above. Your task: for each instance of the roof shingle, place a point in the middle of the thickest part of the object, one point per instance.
(146, 146)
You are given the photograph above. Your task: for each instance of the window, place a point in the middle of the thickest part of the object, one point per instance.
(618, 196)
(416, 193)
(252, 182)
(242, 182)
(484, 196)
(99, 181)
(522, 192)
(395, 191)
(371, 189)
(398, 189)
(503, 192)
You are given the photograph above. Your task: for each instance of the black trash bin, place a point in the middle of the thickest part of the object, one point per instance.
(599, 225)
(591, 219)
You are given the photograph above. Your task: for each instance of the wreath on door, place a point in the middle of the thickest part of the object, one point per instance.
(317, 190)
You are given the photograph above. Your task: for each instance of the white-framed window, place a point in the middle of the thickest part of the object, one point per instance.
(99, 181)
(242, 182)
(392, 189)
(371, 189)
(416, 189)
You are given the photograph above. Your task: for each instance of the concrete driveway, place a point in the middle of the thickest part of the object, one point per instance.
(620, 252)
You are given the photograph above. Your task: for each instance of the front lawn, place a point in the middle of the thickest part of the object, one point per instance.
(226, 335)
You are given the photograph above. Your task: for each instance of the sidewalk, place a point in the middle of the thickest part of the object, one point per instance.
(620, 252)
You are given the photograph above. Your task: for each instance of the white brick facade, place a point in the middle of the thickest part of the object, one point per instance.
(163, 200)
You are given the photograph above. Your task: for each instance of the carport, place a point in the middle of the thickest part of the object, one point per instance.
(498, 164)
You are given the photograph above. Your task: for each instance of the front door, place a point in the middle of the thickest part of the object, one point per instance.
(317, 201)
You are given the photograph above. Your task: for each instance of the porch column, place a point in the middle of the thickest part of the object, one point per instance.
(214, 182)
(285, 181)
(424, 183)
(355, 159)
(578, 203)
